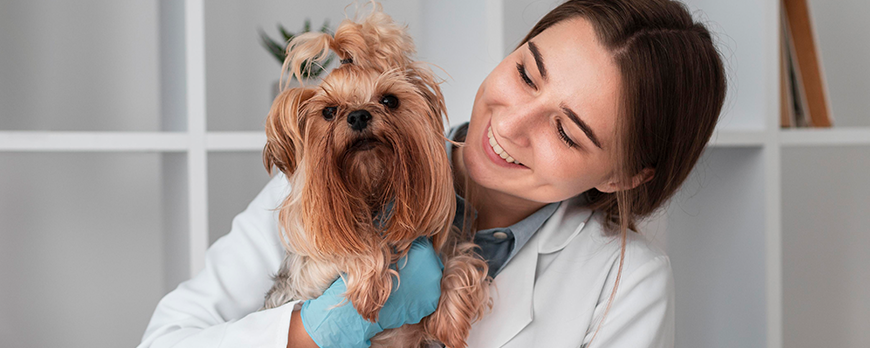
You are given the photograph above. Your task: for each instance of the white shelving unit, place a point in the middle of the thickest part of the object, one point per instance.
(734, 232)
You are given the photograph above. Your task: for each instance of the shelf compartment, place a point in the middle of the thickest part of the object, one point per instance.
(80, 239)
(234, 179)
(714, 234)
(826, 267)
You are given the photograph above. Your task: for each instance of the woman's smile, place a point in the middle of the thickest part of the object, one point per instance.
(497, 154)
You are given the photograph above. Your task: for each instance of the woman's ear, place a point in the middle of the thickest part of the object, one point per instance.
(613, 185)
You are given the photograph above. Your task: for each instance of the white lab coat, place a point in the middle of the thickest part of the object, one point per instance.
(551, 294)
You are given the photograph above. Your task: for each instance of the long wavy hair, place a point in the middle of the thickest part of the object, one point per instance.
(673, 89)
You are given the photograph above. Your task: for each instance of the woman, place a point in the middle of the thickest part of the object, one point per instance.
(591, 124)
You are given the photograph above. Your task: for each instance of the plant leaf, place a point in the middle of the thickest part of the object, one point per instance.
(287, 35)
(275, 49)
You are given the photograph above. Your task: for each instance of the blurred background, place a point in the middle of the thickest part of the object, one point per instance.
(130, 135)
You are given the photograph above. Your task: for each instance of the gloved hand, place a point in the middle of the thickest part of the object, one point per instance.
(417, 295)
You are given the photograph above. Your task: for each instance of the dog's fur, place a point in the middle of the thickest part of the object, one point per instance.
(335, 220)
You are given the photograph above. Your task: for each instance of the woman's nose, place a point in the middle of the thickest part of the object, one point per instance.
(518, 122)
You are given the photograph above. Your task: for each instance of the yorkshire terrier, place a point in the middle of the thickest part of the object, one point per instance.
(364, 153)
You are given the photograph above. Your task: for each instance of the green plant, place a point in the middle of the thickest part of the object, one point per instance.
(309, 71)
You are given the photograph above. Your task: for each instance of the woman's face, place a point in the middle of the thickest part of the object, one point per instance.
(551, 106)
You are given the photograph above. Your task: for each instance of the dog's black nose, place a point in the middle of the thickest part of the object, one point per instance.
(359, 119)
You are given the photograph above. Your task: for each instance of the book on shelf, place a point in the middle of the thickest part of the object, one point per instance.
(803, 93)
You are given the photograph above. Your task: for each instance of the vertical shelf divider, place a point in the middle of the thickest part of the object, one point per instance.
(173, 104)
(773, 179)
(194, 33)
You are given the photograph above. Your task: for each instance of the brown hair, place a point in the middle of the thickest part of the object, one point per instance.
(673, 88)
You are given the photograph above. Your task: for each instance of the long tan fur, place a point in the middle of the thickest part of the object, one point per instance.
(343, 180)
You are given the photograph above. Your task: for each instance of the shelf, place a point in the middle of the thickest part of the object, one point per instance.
(235, 141)
(44, 141)
(38, 141)
(824, 136)
(741, 138)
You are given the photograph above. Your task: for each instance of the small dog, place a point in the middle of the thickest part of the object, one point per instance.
(364, 154)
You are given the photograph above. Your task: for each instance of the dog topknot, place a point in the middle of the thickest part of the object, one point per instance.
(372, 42)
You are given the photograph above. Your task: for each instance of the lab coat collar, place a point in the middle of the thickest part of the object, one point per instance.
(565, 224)
(513, 288)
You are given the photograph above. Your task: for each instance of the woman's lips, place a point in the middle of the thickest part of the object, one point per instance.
(495, 157)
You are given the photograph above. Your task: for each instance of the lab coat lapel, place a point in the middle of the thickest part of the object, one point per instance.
(512, 293)
(513, 289)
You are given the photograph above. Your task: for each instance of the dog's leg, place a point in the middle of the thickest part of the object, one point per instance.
(299, 278)
(464, 298)
(369, 283)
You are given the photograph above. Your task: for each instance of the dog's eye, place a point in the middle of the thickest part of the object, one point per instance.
(329, 113)
(390, 101)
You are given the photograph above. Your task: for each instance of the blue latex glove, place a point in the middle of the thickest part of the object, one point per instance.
(415, 298)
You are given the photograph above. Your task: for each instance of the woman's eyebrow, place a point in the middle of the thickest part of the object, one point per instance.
(583, 126)
(539, 61)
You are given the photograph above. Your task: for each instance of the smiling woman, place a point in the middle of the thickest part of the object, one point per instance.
(611, 102)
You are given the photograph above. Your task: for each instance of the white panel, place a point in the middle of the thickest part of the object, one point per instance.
(843, 34)
(234, 180)
(455, 38)
(825, 243)
(519, 18)
(241, 72)
(79, 65)
(747, 37)
(80, 248)
(716, 242)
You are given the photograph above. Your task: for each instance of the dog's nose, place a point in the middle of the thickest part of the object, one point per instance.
(359, 119)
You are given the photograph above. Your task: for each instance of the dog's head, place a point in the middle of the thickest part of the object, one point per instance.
(370, 135)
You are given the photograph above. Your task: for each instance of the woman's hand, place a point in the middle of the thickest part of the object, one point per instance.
(417, 295)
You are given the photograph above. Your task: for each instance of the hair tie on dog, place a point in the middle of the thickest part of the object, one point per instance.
(347, 61)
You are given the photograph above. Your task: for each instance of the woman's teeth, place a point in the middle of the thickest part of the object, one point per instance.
(498, 150)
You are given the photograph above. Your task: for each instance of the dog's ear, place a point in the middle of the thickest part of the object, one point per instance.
(283, 132)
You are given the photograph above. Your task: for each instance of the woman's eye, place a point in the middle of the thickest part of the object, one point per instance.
(564, 135)
(329, 112)
(390, 101)
(522, 70)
